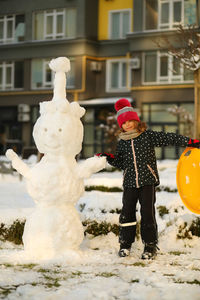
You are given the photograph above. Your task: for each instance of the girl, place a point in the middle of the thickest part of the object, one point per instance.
(135, 155)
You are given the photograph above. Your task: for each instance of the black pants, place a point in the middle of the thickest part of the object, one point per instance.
(127, 219)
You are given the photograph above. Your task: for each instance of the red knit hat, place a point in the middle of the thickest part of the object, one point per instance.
(125, 111)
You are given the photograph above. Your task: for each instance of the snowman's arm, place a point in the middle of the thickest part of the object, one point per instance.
(17, 163)
(90, 166)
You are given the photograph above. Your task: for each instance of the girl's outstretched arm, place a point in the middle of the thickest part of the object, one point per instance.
(159, 139)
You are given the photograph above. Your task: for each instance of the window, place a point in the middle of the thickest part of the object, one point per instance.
(55, 24)
(11, 75)
(151, 14)
(12, 28)
(116, 75)
(43, 76)
(170, 13)
(167, 14)
(119, 24)
(160, 67)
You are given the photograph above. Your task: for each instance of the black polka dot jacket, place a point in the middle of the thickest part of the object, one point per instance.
(136, 157)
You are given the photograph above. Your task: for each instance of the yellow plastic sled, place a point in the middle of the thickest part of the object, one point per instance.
(188, 179)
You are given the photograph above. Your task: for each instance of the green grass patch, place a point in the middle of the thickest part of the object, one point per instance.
(106, 274)
(134, 281)
(195, 281)
(7, 265)
(28, 266)
(186, 231)
(162, 210)
(178, 253)
(168, 189)
(139, 264)
(103, 228)
(43, 271)
(103, 188)
(195, 227)
(12, 233)
(77, 273)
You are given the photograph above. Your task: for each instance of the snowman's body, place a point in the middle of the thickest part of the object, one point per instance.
(56, 182)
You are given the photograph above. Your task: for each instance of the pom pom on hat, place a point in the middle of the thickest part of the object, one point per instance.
(121, 103)
(125, 112)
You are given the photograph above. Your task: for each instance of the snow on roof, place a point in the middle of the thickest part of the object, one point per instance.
(102, 101)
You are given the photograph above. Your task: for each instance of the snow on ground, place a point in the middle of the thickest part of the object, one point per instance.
(97, 272)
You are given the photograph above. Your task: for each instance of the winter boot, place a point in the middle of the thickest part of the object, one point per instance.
(124, 250)
(150, 251)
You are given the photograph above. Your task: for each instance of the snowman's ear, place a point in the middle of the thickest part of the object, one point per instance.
(77, 110)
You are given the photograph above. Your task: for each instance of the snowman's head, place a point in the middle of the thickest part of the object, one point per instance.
(59, 129)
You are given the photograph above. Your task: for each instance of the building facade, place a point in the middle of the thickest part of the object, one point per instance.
(113, 54)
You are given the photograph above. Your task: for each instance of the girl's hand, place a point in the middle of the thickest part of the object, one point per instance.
(194, 143)
(107, 155)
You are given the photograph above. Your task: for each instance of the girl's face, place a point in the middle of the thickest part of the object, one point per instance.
(128, 125)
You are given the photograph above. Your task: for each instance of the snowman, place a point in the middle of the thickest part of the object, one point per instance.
(56, 182)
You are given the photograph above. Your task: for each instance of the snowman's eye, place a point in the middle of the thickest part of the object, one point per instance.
(45, 129)
(60, 129)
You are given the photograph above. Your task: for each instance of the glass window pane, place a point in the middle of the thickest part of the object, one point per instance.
(115, 25)
(151, 14)
(39, 26)
(160, 113)
(188, 107)
(37, 73)
(9, 29)
(190, 12)
(48, 75)
(164, 13)
(59, 21)
(19, 74)
(1, 30)
(170, 152)
(177, 12)
(8, 74)
(88, 151)
(1, 75)
(124, 75)
(126, 22)
(188, 75)
(164, 66)
(34, 113)
(150, 67)
(145, 113)
(49, 25)
(70, 21)
(71, 75)
(114, 75)
(158, 150)
(19, 28)
(176, 66)
(89, 116)
(88, 133)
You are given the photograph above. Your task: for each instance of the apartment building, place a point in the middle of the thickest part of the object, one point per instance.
(113, 54)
